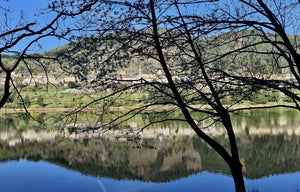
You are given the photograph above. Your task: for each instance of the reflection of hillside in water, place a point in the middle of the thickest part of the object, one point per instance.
(268, 144)
(161, 159)
(151, 160)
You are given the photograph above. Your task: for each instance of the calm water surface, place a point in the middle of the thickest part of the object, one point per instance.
(269, 145)
(39, 176)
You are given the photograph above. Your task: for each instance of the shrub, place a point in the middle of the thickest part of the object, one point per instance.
(40, 101)
(261, 99)
(27, 101)
(72, 85)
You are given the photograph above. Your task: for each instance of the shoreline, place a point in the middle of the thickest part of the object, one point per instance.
(154, 108)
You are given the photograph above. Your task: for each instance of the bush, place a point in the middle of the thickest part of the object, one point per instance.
(27, 101)
(261, 99)
(72, 85)
(40, 101)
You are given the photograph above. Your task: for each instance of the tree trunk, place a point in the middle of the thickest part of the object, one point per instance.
(236, 171)
(232, 161)
(235, 164)
(6, 93)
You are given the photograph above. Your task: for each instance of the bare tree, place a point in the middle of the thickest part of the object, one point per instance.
(158, 31)
(198, 51)
(20, 40)
(258, 31)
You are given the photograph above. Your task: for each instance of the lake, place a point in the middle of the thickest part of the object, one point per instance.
(166, 157)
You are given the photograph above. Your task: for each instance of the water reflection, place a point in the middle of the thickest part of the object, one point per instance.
(254, 122)
(268, 144)
(14, 176)
(159, 160)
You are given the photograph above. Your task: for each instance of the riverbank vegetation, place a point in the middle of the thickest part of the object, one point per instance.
(39, 96)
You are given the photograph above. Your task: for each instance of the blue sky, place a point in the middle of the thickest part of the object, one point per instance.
(27, 5)
(30, 8)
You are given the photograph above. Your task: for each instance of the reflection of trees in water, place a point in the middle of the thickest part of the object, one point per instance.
(253, 122)
(266, 155)
(261, 155)
(17, 121)
(7, 122)
(160, 160)
(268, 118)
(163, 158)
(267, 122)
(153, 160)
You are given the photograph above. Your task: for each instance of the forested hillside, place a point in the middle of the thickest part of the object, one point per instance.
(238, 52)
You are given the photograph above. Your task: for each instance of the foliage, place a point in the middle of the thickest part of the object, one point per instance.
(72, 85)
(27, 101)
(40, 101)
